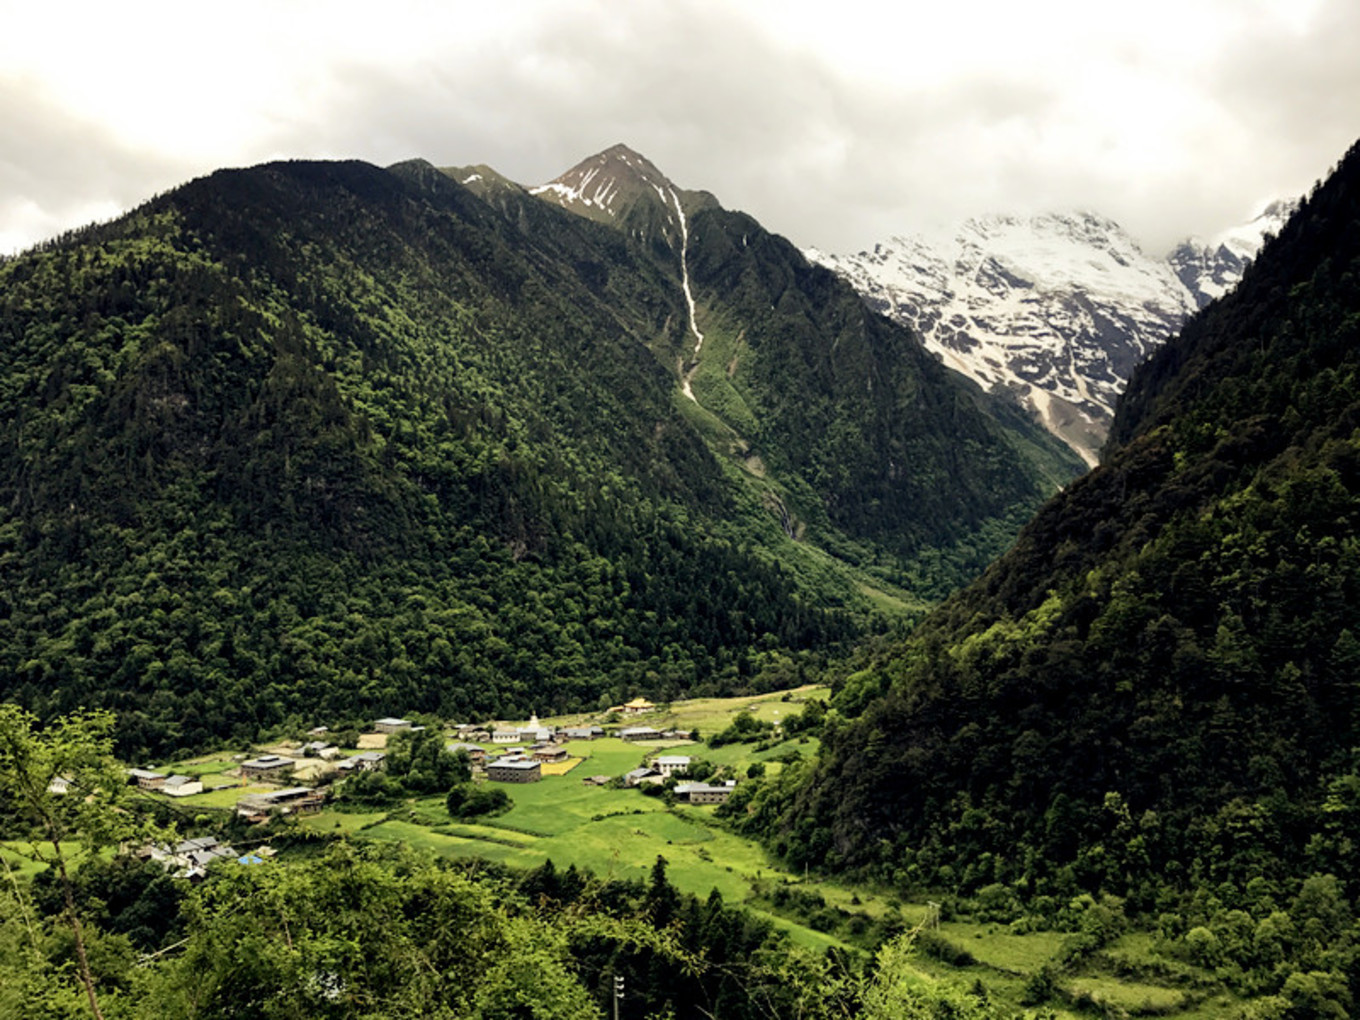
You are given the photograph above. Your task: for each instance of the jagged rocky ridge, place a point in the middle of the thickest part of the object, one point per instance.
(1055, 309)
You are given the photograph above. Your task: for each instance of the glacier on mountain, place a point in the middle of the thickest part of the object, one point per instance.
(1056, 308)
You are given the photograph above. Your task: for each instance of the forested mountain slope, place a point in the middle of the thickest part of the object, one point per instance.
(1158, 689)
(848, 430)
(317, 440)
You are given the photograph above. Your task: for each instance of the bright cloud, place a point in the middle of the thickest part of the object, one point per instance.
(836, 125)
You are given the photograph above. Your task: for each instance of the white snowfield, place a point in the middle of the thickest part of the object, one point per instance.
(1056, 308)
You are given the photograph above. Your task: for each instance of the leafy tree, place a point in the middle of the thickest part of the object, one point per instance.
(63, 782)
(371, 787)
(371, 931)
(469, 800)
(421, 761)
(663, 900)
(900, 991)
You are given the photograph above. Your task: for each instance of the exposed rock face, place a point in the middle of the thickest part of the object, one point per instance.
(1057, 308)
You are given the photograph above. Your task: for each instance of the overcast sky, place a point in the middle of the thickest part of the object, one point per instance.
(836, 123)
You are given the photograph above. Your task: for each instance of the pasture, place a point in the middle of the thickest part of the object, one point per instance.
(618, 833)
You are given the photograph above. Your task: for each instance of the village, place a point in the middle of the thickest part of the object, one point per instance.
(608, 796)
(300, 778)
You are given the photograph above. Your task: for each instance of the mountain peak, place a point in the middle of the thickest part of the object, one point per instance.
(625, 189)
(608, 185)
(1209, 269)
(1056, 307)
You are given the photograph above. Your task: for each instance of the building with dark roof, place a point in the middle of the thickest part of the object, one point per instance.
(267, 766)
(514, 770)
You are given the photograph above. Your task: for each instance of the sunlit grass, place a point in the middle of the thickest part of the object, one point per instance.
(1128, 996)
(995, 946)
(224, 798)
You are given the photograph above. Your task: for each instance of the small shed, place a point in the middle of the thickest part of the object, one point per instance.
(642, 775)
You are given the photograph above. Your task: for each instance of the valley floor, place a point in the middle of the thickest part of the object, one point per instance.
(618, 833)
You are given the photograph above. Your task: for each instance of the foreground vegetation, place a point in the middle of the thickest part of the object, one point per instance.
(334, 928)
(566, 852)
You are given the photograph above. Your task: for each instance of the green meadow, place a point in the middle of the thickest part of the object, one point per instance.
(618, 833)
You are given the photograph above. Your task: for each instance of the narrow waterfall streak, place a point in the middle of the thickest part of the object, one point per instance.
(689, 294)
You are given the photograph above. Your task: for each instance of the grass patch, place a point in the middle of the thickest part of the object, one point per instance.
(608, 756)
(201, 767)
(1135, 998)
(449, 845)
(338, 822)
(559, 768)
(996, 947)
(220, 799)
(16, 858)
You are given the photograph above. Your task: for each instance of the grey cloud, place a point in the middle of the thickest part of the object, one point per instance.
(810, 148)
(713, 102)
(62, 165)
(1298, 95)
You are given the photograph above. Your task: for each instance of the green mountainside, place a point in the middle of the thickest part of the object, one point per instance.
(321, 440)
(1155, 695)
(841, 421)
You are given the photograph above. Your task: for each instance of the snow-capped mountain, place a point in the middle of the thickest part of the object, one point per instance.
(1209, 269)
(1056, 308)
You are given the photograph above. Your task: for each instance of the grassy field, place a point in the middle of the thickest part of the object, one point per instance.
(1129, 996)
(1015, 954)
(203, 767)
(710, 715)
(618, 833)
(220, 799)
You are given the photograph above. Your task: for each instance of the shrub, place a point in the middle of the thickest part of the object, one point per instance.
(468, 800)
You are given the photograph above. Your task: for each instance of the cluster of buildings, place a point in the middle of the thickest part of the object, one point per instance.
(159, 782)
(190, 858)
(545, 746)
(666, 766)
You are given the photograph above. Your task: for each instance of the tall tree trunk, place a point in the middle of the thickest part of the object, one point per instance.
(86, 975)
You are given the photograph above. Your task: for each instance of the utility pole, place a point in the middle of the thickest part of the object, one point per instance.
(618, 993)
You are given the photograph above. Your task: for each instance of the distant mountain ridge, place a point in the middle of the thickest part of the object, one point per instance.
(1056, 309)
(1209, 269)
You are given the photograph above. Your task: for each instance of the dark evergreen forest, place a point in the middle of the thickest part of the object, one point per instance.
(324, 441)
